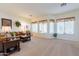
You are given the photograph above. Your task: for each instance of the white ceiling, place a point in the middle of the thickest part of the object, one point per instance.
(36, 9)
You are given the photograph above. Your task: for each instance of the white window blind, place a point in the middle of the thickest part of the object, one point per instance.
(60, 27)
(43, 26)
(69, 27)
(51, 27)
(34, 27)
(65, 26)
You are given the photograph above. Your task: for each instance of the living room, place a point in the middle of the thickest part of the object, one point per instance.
(31, 28)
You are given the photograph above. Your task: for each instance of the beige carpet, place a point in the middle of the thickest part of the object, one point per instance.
(48, 47)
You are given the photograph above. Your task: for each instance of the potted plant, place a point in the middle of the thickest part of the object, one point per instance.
(18, 24)
(13, 33)
(55, 35)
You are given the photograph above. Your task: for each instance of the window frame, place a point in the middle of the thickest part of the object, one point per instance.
(43, 22)
(34, 23)
(66, 20)
(53, 22)
(72, 29)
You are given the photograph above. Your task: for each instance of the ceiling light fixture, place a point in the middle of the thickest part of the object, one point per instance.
(63, 4)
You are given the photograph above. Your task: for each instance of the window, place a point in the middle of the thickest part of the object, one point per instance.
(60, 27)
(66, 26)
(43, 27)
(69, 27)
(34, 27)
(51, 27)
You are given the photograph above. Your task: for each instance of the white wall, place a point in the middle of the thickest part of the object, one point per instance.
(13, 18)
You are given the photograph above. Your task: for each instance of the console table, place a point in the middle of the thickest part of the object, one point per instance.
(10, 46)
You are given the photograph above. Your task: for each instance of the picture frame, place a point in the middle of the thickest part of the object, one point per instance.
(6, 22)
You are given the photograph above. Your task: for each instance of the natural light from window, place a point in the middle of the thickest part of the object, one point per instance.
(51, 27)
(69, 27)
(60, 27)
(34, 27)
(65, 27)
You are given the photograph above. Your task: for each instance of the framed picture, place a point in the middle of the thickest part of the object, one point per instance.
(6, 22)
